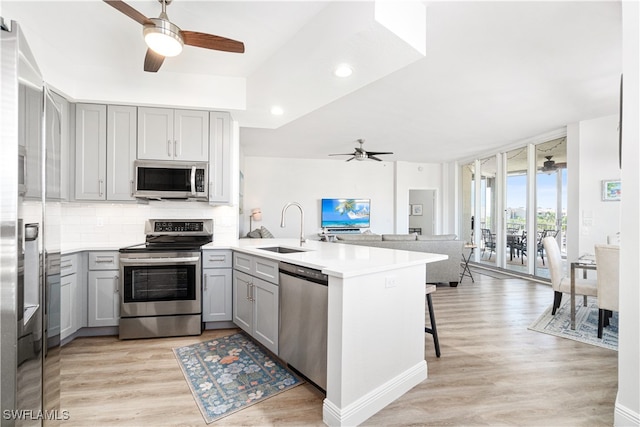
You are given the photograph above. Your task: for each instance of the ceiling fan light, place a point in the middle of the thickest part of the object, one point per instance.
(163, 37)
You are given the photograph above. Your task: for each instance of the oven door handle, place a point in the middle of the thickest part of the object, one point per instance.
(193, 180)
(158, 260)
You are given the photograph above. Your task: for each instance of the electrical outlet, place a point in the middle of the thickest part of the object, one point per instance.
(390, 282)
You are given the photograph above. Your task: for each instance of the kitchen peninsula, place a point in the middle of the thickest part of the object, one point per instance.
(376, 314)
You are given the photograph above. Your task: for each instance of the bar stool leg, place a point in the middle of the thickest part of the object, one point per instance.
(433, 330)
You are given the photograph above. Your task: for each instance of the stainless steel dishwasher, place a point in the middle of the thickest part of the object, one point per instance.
(303, 321)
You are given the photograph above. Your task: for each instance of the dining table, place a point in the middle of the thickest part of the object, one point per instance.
(585, 263)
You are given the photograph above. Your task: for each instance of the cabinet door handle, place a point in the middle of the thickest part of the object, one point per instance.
(175, 148)
(205, 282)
(169, 148)
(103, 260)
(252, 299)
(131, 185)
(100, 182)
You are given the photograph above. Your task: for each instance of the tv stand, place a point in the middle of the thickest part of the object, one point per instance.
(342, 231)
(329, 234)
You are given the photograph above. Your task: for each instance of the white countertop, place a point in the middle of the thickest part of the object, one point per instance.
(334, 259)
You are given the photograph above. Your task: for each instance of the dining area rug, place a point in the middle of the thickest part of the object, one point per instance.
(586, 323)
(230, 373)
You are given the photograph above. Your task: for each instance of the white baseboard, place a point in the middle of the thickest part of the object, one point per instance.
(624, 416)
(372, 402)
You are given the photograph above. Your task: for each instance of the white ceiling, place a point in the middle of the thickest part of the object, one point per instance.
(493, 72)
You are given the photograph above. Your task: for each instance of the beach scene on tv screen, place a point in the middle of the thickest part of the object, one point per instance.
(345, 213)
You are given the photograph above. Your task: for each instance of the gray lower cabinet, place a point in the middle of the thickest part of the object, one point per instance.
(256, 300)
(103, 294)
(216, 285)
(70, 303)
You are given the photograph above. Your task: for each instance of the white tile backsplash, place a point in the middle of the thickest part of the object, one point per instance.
(113, 225)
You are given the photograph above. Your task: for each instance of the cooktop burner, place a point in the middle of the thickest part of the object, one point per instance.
(172, 235)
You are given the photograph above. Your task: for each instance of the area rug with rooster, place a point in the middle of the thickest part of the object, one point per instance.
(230, 373)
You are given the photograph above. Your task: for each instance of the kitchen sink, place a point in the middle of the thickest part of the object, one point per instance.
(282, 250)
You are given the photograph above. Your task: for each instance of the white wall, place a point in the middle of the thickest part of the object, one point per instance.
(628, 401)
(592, 146)
(417, 176)
(269, 183)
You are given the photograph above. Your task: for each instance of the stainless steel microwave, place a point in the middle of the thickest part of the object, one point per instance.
(171, 180)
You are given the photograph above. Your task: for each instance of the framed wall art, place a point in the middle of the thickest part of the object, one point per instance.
(611, 190)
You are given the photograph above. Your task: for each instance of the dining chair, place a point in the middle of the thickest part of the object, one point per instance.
(560, 283)
(608, 262)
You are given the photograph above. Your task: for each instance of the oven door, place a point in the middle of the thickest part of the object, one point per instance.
(160, 283)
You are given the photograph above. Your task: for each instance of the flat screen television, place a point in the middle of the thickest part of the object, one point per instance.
(345, 213)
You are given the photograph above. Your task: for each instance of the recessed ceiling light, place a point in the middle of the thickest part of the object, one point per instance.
(343, 70)
(277, 111)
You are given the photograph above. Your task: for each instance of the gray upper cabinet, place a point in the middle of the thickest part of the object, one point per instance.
(29, 136)
(220, 158)
(121, 151)
(58, 145)
(105, 151)
(91, 151)
(167, 134)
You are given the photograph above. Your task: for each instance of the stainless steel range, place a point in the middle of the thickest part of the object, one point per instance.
(160, 280)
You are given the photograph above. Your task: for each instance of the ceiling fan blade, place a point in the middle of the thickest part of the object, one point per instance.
(209, 41)
(375, 153)
(129, 11)
(343, 154)
(152, 61)
(348, 160)
(374, 158)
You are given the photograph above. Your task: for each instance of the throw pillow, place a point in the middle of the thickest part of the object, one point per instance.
(265, 234)
(255, 234)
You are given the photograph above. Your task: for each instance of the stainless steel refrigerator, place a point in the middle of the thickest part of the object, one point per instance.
(29, 239)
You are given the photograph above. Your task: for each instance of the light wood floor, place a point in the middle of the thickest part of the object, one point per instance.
(493, 371)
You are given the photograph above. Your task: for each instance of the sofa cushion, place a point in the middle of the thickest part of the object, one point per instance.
(438, 237)
(398, 237)
(359, 237)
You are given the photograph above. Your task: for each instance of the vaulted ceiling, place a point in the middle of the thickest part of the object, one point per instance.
(432, 81)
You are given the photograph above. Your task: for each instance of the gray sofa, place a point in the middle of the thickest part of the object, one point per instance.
(446, 271)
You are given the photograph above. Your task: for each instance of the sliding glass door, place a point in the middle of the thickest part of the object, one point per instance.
(551, 199)
(516, 209)
(511, 201)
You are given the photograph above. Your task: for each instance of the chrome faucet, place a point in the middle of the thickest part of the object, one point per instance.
(284, 209)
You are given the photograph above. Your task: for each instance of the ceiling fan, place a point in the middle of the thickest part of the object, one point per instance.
(361, 154)
(551, 165)
(164, 38)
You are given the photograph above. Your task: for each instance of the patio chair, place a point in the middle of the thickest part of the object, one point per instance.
(488, 242)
